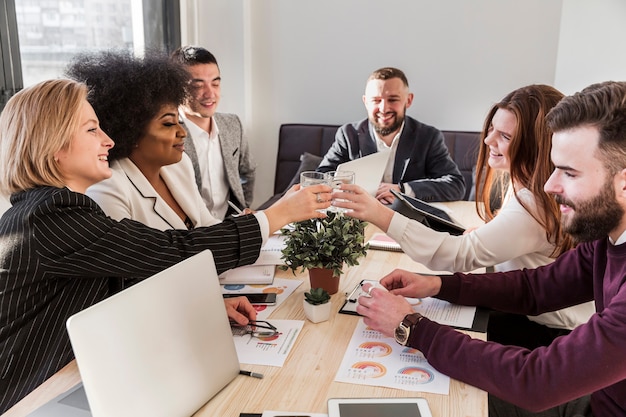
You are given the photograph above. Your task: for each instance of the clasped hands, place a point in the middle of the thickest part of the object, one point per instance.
(385, 306)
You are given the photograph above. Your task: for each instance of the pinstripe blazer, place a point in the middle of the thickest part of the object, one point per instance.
(59, 253)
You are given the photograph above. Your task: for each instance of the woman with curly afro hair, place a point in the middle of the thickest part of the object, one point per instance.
(136, 100)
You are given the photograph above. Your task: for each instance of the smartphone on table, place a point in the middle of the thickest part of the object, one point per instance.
(256, 298)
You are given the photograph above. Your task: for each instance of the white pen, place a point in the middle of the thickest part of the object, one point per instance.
(234, 207)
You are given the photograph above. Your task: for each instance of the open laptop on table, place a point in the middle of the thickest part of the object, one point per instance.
(162, 347)
(368, 170)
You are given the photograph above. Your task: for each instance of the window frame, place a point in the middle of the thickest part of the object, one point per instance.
(165, 35)
(11, 75)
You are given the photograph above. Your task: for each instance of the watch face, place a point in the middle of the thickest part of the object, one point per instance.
(401, 335)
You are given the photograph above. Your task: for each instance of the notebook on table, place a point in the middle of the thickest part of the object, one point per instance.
(162, 347)
(368, 170)
(381, 241)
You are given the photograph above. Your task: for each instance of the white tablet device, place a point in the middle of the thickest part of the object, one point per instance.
(378, 407)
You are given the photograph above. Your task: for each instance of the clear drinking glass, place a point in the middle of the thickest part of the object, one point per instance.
(308, 178)
(335, 179)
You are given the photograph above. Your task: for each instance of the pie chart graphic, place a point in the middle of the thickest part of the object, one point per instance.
(369, 369)
(376, 348)
(420, 375)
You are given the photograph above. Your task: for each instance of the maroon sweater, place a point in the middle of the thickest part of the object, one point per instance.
(590, 360)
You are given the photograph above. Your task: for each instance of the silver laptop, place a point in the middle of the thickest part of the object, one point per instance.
(162, 347)
(368, 170)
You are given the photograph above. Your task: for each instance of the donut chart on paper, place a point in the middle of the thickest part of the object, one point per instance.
(369, 369)
(376, 348)
(419, 375)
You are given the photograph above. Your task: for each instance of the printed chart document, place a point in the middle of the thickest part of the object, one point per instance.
(272, 350)
(443, 312)
(374, 359)
(283, 287)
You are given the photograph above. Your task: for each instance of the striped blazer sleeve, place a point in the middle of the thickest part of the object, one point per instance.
(60, 254)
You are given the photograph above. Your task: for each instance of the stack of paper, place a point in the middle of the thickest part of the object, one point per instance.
(262, 270)
(250, 274)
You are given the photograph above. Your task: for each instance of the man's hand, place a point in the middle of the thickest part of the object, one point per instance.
(383, 194)
(381, 310)
(410, 284)
(240, 310)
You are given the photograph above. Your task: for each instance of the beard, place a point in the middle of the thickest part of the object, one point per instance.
(385, 130)
(594, 218)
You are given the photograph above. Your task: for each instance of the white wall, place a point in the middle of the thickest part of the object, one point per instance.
(307, 61)
(591, 47)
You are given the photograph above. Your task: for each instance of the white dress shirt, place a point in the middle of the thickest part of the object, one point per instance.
(388, 173)
(215, 189)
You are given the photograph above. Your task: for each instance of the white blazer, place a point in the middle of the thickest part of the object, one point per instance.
(128, 194)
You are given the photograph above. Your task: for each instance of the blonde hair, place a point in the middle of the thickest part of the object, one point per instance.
(36, 123)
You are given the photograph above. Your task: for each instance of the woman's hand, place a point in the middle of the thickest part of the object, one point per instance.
(299, 204)
(362, 205)
(240, 310)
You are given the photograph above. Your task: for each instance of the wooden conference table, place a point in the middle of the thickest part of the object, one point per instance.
(306, 381)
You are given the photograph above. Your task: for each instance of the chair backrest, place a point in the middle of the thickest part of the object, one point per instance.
(294, 139)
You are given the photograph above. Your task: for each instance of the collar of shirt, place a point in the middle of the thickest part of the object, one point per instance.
(380, 145)
(197, 132)
(620, 240)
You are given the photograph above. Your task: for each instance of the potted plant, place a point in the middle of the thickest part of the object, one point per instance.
(316, 305)
(323, 246)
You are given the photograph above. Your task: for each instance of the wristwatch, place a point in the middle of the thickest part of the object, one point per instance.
(403, 331)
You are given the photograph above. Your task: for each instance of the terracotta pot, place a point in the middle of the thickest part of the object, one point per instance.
(323, 278)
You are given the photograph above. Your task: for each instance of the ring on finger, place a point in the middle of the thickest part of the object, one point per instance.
(369, 290)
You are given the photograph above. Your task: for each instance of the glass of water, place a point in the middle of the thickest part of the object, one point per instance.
(308, 178)
(335, 179)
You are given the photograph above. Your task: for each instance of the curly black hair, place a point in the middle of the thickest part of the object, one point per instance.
(127, 92)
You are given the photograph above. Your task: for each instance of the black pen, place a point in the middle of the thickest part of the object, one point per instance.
(252, 374)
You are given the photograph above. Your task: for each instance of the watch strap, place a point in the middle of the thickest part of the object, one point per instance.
(412, 319)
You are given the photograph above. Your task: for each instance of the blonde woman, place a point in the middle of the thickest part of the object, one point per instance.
(59, 252)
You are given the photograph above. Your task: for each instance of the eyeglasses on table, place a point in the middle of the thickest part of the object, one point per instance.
(255, 328)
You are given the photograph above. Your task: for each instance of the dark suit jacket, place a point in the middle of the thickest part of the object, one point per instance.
(59, 254)
(422, 158)
(237, 159)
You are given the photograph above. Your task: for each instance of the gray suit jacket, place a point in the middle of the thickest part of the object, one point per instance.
(237, 159)
(422, 158)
